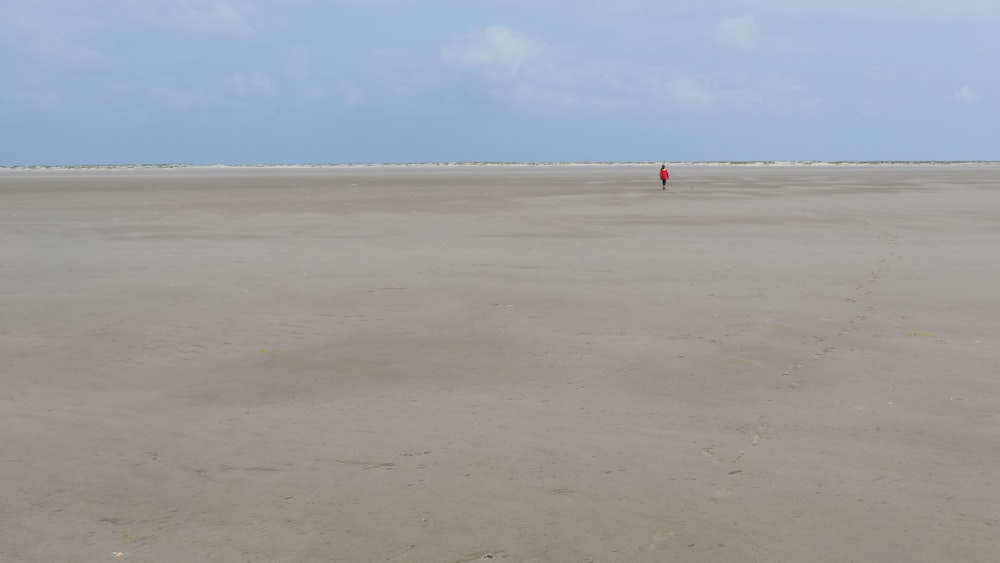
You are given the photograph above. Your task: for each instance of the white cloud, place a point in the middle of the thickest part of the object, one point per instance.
(498, 51)
(719, 90)
(692, 91)
(183, 99)
(738, 34)
(515, 68)
(62, 49)
(896, 10)
(49, 37)
(966, 95)
(252, 84)
(206, 17)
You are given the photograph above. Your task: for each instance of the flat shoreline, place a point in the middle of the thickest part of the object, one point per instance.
(321, 166)
(473, 362)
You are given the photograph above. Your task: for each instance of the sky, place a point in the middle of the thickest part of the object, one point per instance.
(401, 81)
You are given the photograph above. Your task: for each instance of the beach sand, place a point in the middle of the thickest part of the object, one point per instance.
(522, 363)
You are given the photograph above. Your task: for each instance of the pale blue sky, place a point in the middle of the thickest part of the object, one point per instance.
(361, 81)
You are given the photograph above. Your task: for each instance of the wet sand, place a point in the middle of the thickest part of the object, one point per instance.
(452, 364)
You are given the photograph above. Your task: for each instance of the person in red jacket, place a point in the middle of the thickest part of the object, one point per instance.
(664, 176)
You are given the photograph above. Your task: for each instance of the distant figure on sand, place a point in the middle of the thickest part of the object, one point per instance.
(664, 176)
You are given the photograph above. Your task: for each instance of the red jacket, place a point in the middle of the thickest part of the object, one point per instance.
(664, 175)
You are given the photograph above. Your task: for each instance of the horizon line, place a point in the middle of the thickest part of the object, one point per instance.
(167, 165)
